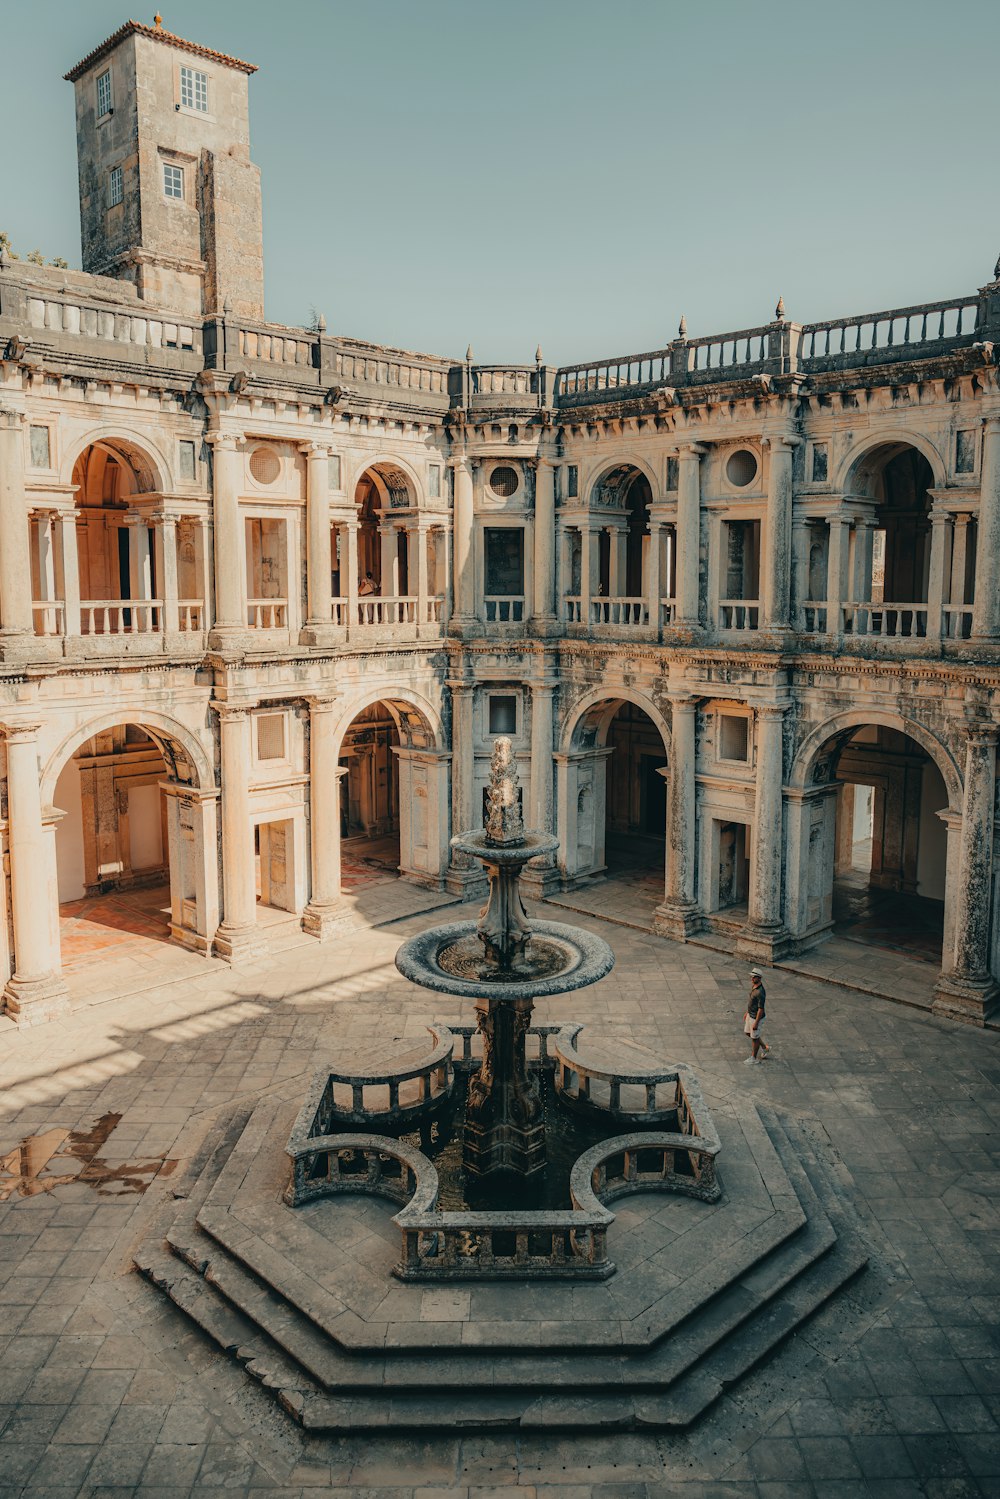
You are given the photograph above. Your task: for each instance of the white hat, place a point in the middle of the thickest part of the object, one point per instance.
(755, 973)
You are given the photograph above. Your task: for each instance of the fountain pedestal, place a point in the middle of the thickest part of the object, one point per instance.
(504, 1129)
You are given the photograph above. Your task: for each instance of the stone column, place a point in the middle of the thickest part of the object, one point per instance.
(940, 521)
(319, 561)
(688, 532)
(653, 575)
(835, 575)
(230, 582)
(237, 938)
(969, 991)
(325, 774)
(986, 612)
(541, 874)
(618, 538)
(586, 550)
(545, 548)
(679, 916)
(166, 582)
(763, 935)
(350, 553)
(801, 547)
(36, 991)
(777, 536)
(417, 538)
(16, 624)
(463, 570)
(389, 542)
(463, 877)
(69, 570)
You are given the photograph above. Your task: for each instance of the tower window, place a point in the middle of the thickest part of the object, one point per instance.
(116, 190)
(104, 95)
(173, 181)
(194, 89)
(572, 481)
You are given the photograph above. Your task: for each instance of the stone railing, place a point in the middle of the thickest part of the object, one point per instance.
(377, 609)
(379, 367)
(957, 621)
(190, 615)
(739, 614)
(274, 344)
(68, 315)
(886, 620)
(267, 614)
(668, 611)
(49, 617)
(121, 616)
(619, 611)
(812, 618)
(504, 609)
(902, 331)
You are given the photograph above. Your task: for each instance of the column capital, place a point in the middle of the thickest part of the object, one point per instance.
(692, 449)
(314, 449)
(991, 422)
(10, 419)
(323, 703)
(683, 702)
(771, 712)
(456, 688)
(21, 733)
(231, 712)
(227, 442)
(787, 440)
(981, 735)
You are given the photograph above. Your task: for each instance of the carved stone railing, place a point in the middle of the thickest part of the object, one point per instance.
(190, 615)
(887, 621)
(67, 314)
(812, 618)
(900, 332)
(739, 614)
(377, 609)
(957, 621)
(49, 617)
(267, 614)
(668, 611)
(504, 609)
(121, 616)
(624, 612)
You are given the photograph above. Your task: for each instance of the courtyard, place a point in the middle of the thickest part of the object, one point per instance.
(106, 1389)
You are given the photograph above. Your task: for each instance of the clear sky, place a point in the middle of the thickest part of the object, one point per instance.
(571, 172)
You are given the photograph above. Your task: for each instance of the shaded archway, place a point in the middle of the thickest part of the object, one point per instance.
(621, 498)
(116, 559)
(890, 560)
(383, 559)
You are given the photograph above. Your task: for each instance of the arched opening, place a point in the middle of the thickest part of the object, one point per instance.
(886, 850)
(383, 553)
(614, 803)
(624, 495)
(113, 843)
(891, 545)
(116, 552)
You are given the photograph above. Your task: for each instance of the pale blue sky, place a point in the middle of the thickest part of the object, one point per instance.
(571, 172)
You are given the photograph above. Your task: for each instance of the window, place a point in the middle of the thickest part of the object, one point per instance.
(673, 474)
(503, 713)
(173, 181)
(504, 481)
(434, 481)
(40, 451)
(820, 463)
(194, 89)
(265, 465)
(572, 481)
(187, 461)
(965, 452)
(116, 190)
(270, 736)
(734, 737)
(741, 468)
(333, 471)
(504, 549)
(104, 95)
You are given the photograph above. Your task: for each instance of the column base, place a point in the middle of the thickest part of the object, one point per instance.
(34, 1001)
(541, 881)
(767, 943)
(465, 626)
(325, 919)
(973, 1001)
(544, 625)
(240, 944)
(323, 636)
(229, 640)
(677, 919)
(17, 645)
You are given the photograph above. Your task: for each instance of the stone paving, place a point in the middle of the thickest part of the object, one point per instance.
(105, 1390)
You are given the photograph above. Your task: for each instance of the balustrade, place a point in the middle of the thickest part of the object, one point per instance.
(504, 608)
(619, 611)
(61, 316)
(668, 611)
(121, 616)
(190, 615)
(267, 614)
(957, 621)
(49, 617)
(903, 327)
(739, 614)
(886, 620)
(812, 618)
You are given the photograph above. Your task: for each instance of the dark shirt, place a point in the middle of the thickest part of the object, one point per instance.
(758, 994)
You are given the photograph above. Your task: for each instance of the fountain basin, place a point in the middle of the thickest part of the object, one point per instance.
(558, 959)
(530, 846)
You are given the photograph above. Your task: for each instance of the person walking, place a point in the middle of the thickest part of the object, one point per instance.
(754, 1018)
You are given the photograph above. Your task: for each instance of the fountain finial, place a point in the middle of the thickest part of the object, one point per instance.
(504, 823)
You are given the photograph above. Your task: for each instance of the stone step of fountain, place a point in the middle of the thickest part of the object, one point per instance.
(327, 1389)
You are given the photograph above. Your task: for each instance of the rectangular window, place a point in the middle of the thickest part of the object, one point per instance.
(673, 474)
(572, 481)
(194, 89)
(820, 463)
(40, 451)
(188, 470)
(503, 713)
(434, 481)
(116, 190)
(270, 736)
(104, 95)
(965, 452)
(173, 181)
(333, 471)
(734, 737)
(504, 548)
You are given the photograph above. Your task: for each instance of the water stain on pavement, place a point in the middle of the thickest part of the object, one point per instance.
(27, 1170)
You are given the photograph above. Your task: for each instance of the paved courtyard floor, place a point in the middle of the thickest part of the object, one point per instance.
(105, 1390)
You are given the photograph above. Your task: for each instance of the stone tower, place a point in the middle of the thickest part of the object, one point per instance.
(169, 198)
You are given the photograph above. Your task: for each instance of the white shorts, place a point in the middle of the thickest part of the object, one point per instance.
(751, 1027)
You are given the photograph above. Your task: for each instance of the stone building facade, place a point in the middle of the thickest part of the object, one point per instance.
(262, 587)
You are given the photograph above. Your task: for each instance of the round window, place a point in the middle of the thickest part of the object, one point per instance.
(741, 468)
(503, 481)
(265, 465)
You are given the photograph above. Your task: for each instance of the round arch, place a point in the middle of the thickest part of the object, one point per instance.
(597, 708)
(175, 742)
(894, 440)
(603, 470)
(145, 459)
(417, 720)
(844, 724)
(395, 475)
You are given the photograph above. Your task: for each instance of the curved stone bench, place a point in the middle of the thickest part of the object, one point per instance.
(650, 1162)
(322, 1114)
(576, 1074)
(332, 1164)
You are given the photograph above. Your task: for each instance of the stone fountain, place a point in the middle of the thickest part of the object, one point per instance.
(504, 962)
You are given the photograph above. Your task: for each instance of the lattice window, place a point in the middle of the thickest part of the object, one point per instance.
(270, 736)
(194, 90)
(116, 187)
(104, 95)
(173, 181)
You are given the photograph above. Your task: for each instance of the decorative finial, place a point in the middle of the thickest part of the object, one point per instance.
(227, 307)
(158, 21)
(779, 311)
(468, 355)
(538, 354)
(321, 324)
(504, 824)
(682, 327)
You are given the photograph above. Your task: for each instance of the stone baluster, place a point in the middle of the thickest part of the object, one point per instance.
(36, 991)
(969, 991)
(16, 624)
(319, 561)
(678, 915)
(688, 532)
(778, 534)
(762, 936)
(986, 612)
(230, 583)
(325, 775)
(237, 938)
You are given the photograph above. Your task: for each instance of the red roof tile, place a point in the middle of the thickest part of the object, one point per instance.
(156, 34)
